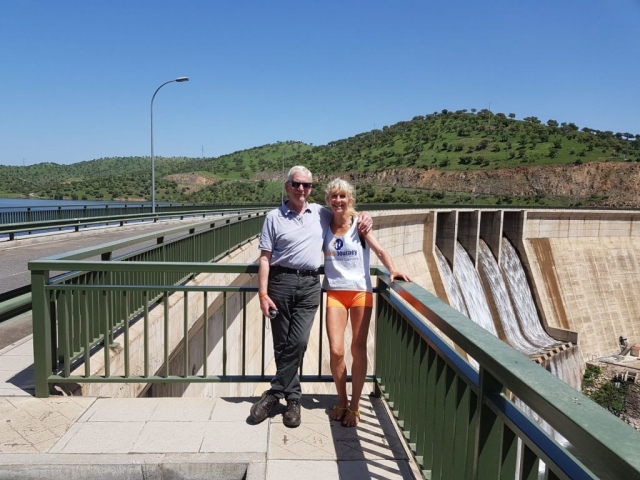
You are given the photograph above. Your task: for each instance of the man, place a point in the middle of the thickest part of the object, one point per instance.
(288, 282)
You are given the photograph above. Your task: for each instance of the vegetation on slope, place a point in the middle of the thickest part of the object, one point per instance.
(461, 141)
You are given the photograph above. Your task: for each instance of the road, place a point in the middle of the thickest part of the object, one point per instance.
(15, 256)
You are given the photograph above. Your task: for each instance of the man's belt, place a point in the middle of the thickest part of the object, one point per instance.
(293, 271)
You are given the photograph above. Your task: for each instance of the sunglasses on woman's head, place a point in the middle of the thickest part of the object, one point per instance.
(304, 184)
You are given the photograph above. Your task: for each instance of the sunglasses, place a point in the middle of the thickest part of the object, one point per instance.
(304, 184)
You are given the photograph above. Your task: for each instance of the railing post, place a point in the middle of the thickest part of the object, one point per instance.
(42, 362)
(377, 392)
(488, 432)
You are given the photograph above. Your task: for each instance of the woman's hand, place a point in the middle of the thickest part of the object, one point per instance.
(402, 276)
(365, 223)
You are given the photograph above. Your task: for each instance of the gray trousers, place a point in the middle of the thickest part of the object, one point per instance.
(297, 299)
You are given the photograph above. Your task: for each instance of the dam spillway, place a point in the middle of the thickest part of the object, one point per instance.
(579, 279)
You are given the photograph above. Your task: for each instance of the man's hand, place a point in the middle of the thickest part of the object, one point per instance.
(365, 223)
(265, 304)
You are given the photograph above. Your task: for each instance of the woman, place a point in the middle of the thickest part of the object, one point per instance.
(349, 294)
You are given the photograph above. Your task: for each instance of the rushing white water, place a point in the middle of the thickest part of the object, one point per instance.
(522, 298)
(455, 294)
(510, 292)
(497, 291)
(565, 366)
(450, 282)
(474, 296)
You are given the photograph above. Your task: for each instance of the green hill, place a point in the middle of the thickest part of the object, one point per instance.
(448, 142)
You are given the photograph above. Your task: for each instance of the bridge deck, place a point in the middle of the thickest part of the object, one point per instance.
(60, 435)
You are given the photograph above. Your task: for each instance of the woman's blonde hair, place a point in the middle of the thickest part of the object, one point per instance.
(338, 185)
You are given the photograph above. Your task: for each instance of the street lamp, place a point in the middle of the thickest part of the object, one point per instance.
(283, 179)
(153, 164)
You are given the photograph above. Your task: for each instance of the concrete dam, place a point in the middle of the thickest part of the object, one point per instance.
(582, 269)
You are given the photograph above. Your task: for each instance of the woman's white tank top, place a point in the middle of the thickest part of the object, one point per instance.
(346, 261)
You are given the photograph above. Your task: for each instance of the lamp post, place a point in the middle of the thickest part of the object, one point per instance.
(489, 115)
(283, 179)
(153, 164)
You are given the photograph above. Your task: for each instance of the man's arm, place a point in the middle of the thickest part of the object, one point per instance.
(263, 280)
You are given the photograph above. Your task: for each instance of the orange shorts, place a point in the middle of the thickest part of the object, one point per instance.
(348, 298)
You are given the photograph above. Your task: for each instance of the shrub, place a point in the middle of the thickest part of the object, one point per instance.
(611, 396)
(591, 374)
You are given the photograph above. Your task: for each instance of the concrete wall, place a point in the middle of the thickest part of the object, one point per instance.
(586, 269)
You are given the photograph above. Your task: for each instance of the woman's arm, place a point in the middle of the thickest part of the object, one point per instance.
(385, 258)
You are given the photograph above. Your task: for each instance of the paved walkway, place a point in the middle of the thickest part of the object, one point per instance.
(188, 438)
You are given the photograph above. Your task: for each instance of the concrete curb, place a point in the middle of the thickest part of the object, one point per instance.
(250, 466)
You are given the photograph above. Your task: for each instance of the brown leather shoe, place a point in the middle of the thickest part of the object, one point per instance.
(261, 409)
(291, 417)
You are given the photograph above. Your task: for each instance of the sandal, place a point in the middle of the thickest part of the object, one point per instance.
(356, 414)
(339, 414)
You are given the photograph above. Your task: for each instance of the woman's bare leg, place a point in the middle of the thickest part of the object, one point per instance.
(360, 319)
(336, 324)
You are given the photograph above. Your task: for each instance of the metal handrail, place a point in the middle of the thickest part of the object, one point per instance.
(46, 213)
(432, 388)
(13, 229)
(15, 303)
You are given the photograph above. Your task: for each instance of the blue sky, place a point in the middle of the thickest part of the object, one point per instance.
(77, 76)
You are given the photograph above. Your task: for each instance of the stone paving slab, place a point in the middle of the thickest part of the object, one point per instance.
(324, 439)
(121, 410)
(35, 424)
(99, 437)
(232, 409)
(235, 437)
(15, 363)
(21, 349)
(322, 470)
(159, 437)
(9, 390)
(302, 469)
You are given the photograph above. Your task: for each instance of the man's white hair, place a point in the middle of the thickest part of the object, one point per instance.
(299, 169)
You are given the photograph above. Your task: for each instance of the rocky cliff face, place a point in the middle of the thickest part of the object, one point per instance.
(618, 182)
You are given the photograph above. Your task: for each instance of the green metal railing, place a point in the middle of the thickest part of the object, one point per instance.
(459, 422)
(70, 315)
(463, 423)
(71, 212)
(12, 230)
(83, 317)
